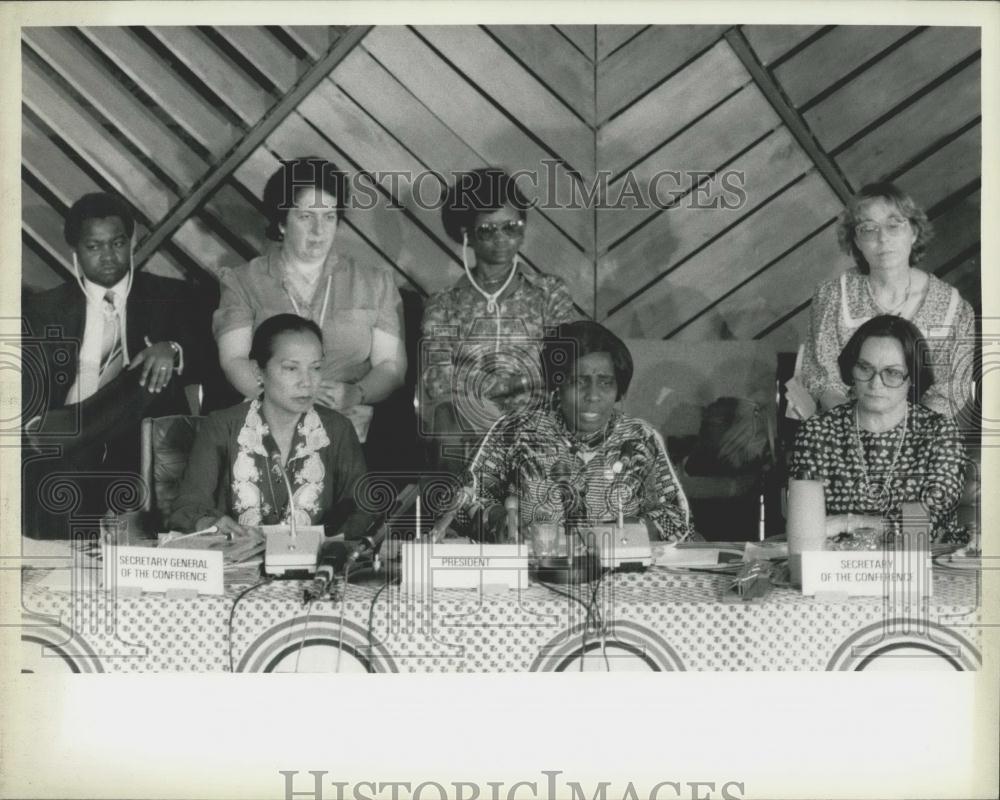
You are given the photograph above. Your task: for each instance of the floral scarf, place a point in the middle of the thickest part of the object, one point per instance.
(260, 495)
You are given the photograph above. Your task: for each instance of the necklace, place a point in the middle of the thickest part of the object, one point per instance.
(870, 490)
(490, 297)
(899, 306)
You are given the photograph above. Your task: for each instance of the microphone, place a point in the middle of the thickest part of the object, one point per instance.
(291, 503)
(370, 540)
(325, 569)
(513, 522)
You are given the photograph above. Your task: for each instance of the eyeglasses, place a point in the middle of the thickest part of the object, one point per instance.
(894, 226)
(892, 377)
(512, 229)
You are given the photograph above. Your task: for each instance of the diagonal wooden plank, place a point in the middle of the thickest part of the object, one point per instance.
(833, 57)
(77, 65)
(398, 111)
(706, 145)
(314, 39)
(180, 212)
(771, 42)
(564, 70)
(611, 37)
(244, 96)
(56, 170)
(540, 115)
(786, 284)
(670, 107)
(204, 123)
(582, 36)
(650, 57)
(935, 115)
(745, 249)
(640, 263)
(45, 225)
(946, 170)
(63, 114)
(488, 132)
(279, 65)
(888, 83)
(37, 274)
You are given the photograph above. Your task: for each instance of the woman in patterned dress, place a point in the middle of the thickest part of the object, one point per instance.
(482, 337)
(883, 448)
(886, 233)
(246, 458)
(575, 457)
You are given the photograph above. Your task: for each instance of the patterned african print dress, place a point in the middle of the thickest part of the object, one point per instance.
(554, 475)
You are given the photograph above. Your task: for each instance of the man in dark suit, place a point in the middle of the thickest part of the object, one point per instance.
(99, 353)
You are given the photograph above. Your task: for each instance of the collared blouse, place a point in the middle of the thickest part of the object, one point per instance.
(235, 469)
(360, 301)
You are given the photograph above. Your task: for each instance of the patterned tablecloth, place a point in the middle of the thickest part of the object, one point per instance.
(657, 620)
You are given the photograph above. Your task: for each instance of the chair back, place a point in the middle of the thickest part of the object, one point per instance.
(165, 445)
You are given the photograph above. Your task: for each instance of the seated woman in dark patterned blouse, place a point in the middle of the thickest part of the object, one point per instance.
(882, 448)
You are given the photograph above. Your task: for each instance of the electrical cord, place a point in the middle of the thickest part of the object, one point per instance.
(232, 613)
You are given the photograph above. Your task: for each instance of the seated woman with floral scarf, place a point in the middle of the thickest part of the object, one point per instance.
(578, 458)
(246, 458)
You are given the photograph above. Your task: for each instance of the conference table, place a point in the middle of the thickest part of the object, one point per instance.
(661, 619)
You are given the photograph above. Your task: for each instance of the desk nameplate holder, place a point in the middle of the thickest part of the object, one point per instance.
(440, 565)
(176, 573)
(900, 571)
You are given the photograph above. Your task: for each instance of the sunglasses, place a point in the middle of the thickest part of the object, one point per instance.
(488, 231)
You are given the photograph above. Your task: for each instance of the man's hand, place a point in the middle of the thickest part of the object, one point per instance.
(157, 362)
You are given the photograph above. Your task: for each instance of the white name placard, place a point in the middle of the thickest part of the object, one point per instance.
(463, 566)
(904, 575)
(163, 570)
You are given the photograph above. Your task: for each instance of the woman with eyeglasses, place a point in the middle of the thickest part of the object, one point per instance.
(576, 456)
(481, 338)
(887, 233)
(883, 448)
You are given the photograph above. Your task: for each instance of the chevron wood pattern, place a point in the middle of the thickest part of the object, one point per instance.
(603, 120)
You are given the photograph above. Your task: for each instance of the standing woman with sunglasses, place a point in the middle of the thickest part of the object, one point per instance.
(883, 448)
(482, 337)
(886, 233)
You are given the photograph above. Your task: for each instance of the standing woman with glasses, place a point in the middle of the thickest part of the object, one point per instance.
(887, 235)
(482, 338)
(883, 448)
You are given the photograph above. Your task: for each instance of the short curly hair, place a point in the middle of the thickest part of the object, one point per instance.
(97, 205)
(888, 191)
(480, 191)
(571, 341)
(293, 176)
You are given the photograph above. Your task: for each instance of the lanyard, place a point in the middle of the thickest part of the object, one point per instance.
(326, 300)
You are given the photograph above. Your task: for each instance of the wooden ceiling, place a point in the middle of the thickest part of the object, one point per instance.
(187, 123)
